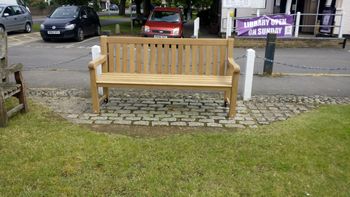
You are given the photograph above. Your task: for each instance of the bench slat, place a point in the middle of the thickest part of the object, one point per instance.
(173, 59)
(153, 58)
(145, 58)
(201, 60)
(165, 80)
(194, 60)
(215, 60)
(187, 59)
(132, 58)
(208, 60)
(125, 58)
(111, 56)
(222, 60)
(160, 60)
(138, 58)
(166, 58)
(180, 58)
(168, 41)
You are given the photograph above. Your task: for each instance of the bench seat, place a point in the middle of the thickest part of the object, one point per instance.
(115, 79)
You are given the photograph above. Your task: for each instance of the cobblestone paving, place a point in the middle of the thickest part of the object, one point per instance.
(163, 108)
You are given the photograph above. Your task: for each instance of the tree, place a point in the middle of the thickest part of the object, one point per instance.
(122, 7)
(146, 7)
(73, 2)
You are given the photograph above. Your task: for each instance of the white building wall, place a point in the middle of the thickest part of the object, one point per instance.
(343, 6)
(242, 12)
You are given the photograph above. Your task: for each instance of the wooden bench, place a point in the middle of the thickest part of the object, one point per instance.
(10, 88)
(190, 64)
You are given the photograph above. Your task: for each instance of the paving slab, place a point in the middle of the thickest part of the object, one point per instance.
(260, 110)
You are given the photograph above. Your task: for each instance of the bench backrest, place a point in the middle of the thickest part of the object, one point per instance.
(166, 56)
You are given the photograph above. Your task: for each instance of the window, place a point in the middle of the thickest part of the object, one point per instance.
(83, 12)
(65, 12)
(9, 11)
(163, 16)
(17, 10)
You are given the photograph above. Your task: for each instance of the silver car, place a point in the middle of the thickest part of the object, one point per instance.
(15, 18)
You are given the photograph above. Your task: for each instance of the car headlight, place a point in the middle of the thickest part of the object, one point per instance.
(42, 26)
(176, 31)
(69, 26)
(146, 29)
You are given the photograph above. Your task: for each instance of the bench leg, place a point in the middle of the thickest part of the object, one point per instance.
(3, 112)
(106, 94)
(95, 100)
(227, 95)
(233, 97)
(21, 95)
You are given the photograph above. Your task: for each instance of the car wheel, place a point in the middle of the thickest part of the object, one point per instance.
(98, 30)
(28, 28)
(2, 28)
(80, 35)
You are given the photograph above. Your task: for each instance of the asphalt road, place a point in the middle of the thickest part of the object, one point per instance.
(64, 65)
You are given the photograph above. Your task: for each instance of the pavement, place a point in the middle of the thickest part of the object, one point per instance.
(304, 79)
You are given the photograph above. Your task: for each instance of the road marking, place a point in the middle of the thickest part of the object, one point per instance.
(310, 74)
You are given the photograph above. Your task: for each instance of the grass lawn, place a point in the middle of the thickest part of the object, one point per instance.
(43, 155)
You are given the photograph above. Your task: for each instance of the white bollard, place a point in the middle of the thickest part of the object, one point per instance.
(196, 27)
(297, 25)
(96, 52)
(228, 25)
(248, 81)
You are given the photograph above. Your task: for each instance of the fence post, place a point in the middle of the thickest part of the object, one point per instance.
(340, 34)
(269, 53)
(96, 52)
(248, 79)
(297, 25)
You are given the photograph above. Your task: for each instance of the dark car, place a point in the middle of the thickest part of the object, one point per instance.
(114, 7)
(71, 22)
(164, 23)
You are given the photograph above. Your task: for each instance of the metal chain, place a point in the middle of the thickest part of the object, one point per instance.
(303, 66)
(240, 57)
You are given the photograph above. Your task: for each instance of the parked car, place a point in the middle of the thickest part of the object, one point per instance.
(114, 7)
(164, 23)
(15, 18)
(71, 22)
(14, 2)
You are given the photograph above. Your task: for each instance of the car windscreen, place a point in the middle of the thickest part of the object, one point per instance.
(165, 16)
(68, 12)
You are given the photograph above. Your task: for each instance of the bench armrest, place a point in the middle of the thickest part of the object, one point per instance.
(233, 67)
(94, 63)
(14, 68)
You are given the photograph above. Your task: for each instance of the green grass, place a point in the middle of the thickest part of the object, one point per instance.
(43, 155)
(36, 27)
(113, 17)
(125, 29)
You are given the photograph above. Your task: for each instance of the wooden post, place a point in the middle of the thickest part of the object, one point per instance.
(3, 112)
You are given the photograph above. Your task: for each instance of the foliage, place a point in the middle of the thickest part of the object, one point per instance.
(43, 155)
(73, 2)
(40, 4)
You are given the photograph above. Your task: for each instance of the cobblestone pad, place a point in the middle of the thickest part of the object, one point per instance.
(163, 108)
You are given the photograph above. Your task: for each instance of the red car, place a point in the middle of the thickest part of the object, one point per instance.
(164, 23)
